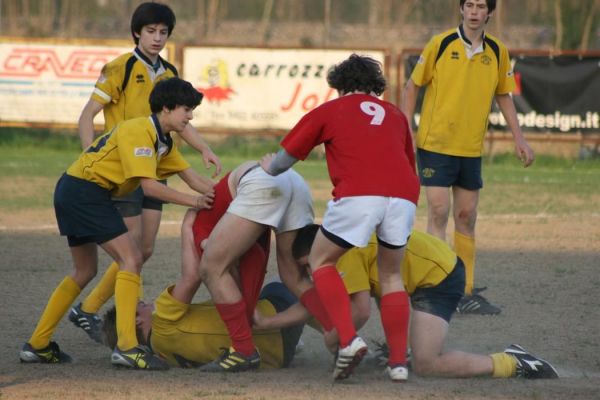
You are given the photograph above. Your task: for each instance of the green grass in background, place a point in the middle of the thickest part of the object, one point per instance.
(31, 161)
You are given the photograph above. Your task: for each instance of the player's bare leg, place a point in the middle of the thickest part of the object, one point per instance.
(427, 335)
(438, 210)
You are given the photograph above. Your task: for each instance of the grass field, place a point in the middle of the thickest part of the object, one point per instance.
(538, 251)
(30, 165)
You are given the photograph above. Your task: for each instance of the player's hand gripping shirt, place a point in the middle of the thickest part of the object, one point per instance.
(188, 335)
(134, 149)
(459, 92)
(125, 84)
(368, 147)
(427, 261)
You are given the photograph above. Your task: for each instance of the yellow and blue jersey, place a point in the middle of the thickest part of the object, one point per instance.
(427, 261)
(188, 335)
(460, 90)
(125, 84)
(134, 149)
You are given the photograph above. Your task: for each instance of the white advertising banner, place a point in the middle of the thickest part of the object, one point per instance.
(253, 88)
(46, 83)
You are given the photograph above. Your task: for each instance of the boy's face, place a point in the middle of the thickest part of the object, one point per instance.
(152, 39)
(178, 118)
(475, 14)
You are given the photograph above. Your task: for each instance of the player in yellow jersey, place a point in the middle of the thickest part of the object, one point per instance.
(190, 335)
(434, 277)
(463, 70)
(122, 93)
(135, 153)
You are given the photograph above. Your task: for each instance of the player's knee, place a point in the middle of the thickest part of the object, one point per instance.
(147, 252)
(466, 218)
(423, 366)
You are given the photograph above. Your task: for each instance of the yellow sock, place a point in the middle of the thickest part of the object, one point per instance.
(505, 366)
(104, 290)
(58, 304)
(126, 292)
(465, 249)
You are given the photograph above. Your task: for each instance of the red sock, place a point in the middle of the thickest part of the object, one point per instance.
(234, 317)
(336, 302)
(395, 313)
(253, 266)
(311, 301)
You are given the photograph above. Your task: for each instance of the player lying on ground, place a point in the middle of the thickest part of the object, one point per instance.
(190, 335)
(434, 277)
(137, 152)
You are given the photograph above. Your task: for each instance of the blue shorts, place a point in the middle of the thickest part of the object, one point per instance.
(131, 205)
(441, 300)
(436, 169)
(85, 213)
(281, 298)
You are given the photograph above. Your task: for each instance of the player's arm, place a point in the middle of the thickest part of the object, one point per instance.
(409, 102)
(507, 106)
(86, 122)
(193, 138)
(153, 188)
(275, 164)
(196, 181)
(188, 283)
(294, 315)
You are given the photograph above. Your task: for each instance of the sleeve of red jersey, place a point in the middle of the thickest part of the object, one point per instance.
(304, 136)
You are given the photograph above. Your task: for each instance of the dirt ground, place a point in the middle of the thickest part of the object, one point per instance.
(542, 271)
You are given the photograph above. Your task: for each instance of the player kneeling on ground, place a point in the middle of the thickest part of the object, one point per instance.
(136, 152)
(434, 277)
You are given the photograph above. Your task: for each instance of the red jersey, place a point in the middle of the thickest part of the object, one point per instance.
(207, 219)
(368, 147)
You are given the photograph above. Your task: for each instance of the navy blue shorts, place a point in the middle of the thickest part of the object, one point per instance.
(281, 298)
(441, 300)
(131, 205)
(85, 213)
(436, 169)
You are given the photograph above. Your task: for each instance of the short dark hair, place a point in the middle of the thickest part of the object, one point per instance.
(173, 92)
(304, 240)
(151, 13)
(357, 73)
(491, 4)
(109, 329)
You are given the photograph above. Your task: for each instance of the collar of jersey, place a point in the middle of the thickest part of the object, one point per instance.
(466, 41)
(138, 53)
(164, 139)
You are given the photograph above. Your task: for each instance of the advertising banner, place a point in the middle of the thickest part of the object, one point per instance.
(554, 94)
(255, 88)
(47, 83)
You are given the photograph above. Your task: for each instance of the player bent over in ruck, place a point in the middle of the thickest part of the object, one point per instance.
(137, 152)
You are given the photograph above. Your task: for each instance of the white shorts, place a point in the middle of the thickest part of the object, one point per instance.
(282, 202)
(354, 219)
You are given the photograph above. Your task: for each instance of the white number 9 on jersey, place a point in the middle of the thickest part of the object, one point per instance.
(375, 110)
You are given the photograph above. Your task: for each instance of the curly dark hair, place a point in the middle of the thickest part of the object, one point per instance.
(357, 73)
(491, 4)
(173, 92)
(109, 329)
(151, 13)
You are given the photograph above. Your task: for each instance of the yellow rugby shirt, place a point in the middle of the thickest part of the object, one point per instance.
(125, 84)
(187, 335)
(427, 261)
(459, 92)
(134, 149)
